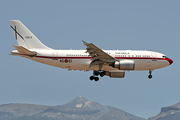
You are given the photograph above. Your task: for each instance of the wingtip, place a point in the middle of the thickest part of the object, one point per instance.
(84, 42)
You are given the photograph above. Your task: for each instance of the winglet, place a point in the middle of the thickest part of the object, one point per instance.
(23, 50)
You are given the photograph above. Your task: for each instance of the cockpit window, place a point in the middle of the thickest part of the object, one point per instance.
(164, 56)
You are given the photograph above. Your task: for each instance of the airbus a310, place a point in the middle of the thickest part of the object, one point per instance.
(112, 63)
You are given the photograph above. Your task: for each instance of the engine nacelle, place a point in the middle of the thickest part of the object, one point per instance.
(124, 65)
(115, 74)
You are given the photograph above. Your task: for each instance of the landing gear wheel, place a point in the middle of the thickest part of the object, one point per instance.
(96, 78)
(96, 73)
(102, 74)
(150, 76)
(91, 78)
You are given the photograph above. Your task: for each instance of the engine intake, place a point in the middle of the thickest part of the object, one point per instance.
(124, 65)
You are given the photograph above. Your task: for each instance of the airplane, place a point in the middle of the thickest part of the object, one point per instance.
(112, 63)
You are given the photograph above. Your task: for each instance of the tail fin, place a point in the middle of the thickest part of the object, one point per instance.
(25, 37)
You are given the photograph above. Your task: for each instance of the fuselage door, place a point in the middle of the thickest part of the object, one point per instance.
(55, 55)
(154, 57)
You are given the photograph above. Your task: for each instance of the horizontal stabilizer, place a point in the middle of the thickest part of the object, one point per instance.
(23, 50)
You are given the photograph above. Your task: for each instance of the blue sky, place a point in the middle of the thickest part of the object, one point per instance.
(62, 24)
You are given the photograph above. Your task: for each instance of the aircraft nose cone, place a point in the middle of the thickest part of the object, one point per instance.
(170, 61)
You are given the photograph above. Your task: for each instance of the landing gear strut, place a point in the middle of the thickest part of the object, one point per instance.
(96, 73)
(150, 76)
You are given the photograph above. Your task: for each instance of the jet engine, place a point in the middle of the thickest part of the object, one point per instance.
(124, 65)
(115, 74)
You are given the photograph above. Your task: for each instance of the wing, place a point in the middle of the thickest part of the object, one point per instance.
(98, 55)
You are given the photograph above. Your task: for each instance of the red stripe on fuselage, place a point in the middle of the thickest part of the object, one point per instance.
(169, 60)
(64, 57)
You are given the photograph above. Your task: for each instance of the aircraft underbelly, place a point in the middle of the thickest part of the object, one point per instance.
(150, 64)
(142, 64)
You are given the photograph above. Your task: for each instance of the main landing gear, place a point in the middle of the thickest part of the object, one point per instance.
(96, 73)
(150, 76)
(94, 78)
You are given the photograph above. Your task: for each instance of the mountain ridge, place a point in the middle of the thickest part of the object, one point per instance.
(81, 102)
(168, 113)
(78, 108)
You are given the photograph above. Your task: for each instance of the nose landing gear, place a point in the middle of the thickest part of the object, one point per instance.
(150, 76)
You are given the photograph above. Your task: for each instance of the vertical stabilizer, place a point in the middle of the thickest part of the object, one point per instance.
(25, 37)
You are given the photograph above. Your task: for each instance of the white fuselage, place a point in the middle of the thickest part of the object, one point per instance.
(112, 63)
(79, 60)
